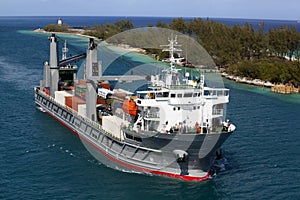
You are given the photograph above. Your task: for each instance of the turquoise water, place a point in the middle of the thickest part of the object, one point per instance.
(40, 159)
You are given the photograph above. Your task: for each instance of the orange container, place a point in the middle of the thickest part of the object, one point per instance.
(104, 85)
(81, 82)
(68, 101)
(73, 102)
(101, 101)
(46, 90)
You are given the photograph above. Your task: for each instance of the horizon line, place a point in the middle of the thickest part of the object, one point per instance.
(128, 16)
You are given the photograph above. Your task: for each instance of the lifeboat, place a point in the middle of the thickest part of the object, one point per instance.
(130, 107)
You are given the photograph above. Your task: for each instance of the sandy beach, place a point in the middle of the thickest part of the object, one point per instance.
(39, 30)
(119, 47)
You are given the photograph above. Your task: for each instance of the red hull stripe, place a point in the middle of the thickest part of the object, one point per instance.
(160, 173)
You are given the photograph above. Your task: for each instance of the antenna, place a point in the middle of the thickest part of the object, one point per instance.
(64, 50)
(171, 48)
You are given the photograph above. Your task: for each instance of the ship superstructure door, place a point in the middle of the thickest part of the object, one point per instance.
(151, 118)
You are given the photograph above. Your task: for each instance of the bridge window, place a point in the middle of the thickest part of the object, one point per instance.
(159, 94)
(188, 94)
(173, 95)
(162, 94)
(166, 94)
(179, 95)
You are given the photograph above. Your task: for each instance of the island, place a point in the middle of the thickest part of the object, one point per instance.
(268, 58)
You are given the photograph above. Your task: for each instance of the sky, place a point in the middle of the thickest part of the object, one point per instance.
(249, 9)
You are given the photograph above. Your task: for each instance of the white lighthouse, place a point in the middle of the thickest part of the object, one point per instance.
(59, 21)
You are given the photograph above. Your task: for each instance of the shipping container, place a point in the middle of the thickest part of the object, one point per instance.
(82, 82)
(60, 96)
(73, 102)
(101, 101)
(120, 95)
(111, 124)
(104, 85)
(82, 110)
(46, 90)
(80, 91)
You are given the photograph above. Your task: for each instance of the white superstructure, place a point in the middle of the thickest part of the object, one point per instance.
(176, 104)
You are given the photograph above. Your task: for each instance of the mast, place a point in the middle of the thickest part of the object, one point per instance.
(172, 77)
(172, 49)
(93, 74)
(64, 51)
(52, 68)
(53, 63)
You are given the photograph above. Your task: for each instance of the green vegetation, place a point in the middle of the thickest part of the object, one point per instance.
(240, 50)
(246, 52)
(273, 69)
(107, 30)
(57, 28)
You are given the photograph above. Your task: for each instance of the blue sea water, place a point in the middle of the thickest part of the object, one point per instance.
(40, 159)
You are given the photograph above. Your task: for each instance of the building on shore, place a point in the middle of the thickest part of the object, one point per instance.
(59, 21)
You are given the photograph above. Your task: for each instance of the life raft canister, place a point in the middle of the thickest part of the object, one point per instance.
(130, 107)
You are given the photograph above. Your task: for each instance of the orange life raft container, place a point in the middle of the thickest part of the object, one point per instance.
(130, 107)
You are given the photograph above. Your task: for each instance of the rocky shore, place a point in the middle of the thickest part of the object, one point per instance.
(285, 89)
(245, 80)
(277, 88)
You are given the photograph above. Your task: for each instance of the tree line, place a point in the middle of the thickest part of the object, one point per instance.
(240, 50)
(246, 52)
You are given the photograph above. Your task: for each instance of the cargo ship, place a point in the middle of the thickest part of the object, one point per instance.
(174, 128)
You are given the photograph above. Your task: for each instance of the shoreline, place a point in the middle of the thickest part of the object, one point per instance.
(256, 82)
(118, 47)
(276, 88)
(39, 30)
(122, 47)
